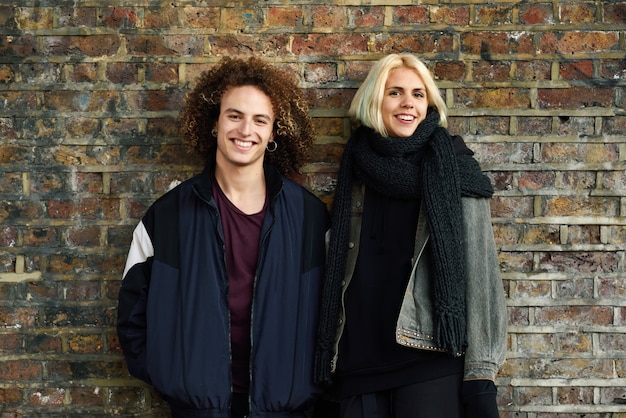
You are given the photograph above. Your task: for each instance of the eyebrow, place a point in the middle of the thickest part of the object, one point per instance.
(402, 88)
(259, 115)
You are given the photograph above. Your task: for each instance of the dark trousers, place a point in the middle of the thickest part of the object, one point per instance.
(438, 398)
(239, 406)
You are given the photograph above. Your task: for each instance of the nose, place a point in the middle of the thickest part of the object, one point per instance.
(407, 102)
(245, 128)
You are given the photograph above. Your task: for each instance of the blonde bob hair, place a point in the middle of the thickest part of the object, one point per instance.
(366, 106)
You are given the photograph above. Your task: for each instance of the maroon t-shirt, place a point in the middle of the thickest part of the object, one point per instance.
(241, 238)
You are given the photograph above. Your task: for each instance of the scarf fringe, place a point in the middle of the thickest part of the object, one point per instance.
(447, 332)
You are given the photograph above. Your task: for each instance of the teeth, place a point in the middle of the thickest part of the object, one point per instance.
(406, 117)
(243, 144)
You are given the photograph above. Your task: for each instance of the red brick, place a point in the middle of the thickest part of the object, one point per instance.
(580, 262)
(577, 70)
(505, 98)
(202, 17)
(494, 15)
(20, 46)
(77, 17)
(92, 46)
(329, 44)
(122, 73)
(574, 42)
(512, 206)
(88, 236)
(119, 17)
(575, 98)
(165, 45)
(329, 16)
(454, 71)
(85, 343)
(541, 234)
(614, 12)
(43, 343)
(160, 17)
(367, 17)
(590, 153)
(285, 16)
(574, 288)
(420, 42)
(450, 15)
(320, 73)
(240, 19)
(411, 15)
(86, 397)
(492, 125)
(536, 14)
(20, 370)
(489, 71)
(10, 397)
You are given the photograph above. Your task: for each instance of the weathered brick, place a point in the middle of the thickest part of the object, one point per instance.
(492, 125)
(591, 153)
(320, 73)
(411, 15)
(576, 70)
(504, 98)
(575, 98)
(47, 397)
(119, 17)
(329, 44)
(366, 17)
(78, 46)
(614, 12)
(577, 13)
(433, 42)
(329, 16)
(89, 137)
(573, 42)
(450, 70)
(202, 17)
(536, 14)
(532, 70)
(579, 262)
(76, 17)
(20, 370)
(450, 15)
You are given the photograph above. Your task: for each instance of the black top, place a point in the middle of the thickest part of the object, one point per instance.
(369, 358)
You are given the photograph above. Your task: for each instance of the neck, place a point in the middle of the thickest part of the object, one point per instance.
(243, 186)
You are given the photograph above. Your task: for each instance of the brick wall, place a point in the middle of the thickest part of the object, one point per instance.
(89, 95)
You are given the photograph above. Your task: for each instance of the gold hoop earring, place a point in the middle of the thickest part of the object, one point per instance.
(272, 149)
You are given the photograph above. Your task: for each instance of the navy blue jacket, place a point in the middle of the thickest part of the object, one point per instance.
(173, 316)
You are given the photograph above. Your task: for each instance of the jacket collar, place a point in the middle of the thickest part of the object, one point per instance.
(204, 187)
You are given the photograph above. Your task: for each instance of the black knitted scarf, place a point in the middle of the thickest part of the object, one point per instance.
(423, 166)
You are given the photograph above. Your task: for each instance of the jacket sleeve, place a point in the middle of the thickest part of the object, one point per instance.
(132, 300)
(486, 308)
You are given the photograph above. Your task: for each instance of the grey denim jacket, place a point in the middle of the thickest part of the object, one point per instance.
(486, 308)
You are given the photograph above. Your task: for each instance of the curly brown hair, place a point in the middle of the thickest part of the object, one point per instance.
(293, 127)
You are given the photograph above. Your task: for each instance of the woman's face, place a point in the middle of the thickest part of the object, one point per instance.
(404, 102)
